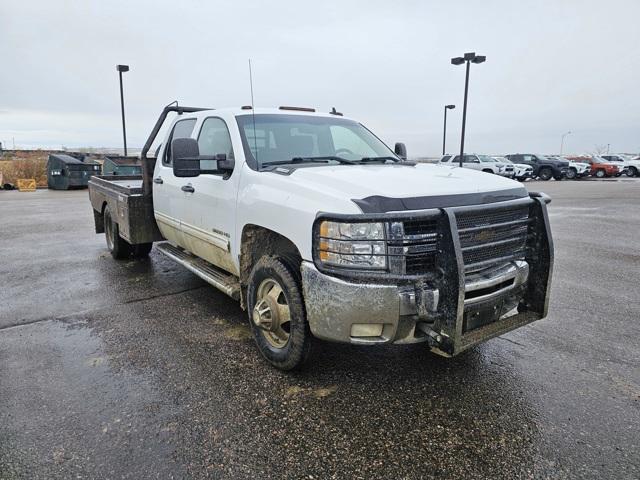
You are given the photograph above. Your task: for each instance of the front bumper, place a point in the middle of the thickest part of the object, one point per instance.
(462, 310)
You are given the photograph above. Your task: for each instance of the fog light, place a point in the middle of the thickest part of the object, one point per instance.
(366, 329)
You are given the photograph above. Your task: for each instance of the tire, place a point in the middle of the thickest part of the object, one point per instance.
(263, 299)
(487, 171)
(632, 172)
(572, 173)
(118, 246)
(600, 173)
(545, 174)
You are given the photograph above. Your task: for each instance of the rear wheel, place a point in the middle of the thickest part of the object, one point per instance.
(118, 246)
(600, 173)
(632, 172)
(277, 315)
(545, 174)
(572, 173)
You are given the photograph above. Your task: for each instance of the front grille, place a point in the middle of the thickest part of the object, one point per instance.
(419, 227)
(492, 236)
(415, 246)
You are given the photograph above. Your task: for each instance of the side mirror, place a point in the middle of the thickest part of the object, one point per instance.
(224, 164)
(187, 161)
(185, 154)
(401, 150)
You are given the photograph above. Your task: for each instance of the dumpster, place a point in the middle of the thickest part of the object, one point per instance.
(117, 165)
(65, 171)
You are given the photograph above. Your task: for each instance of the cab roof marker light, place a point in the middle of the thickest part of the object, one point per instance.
(298, 109)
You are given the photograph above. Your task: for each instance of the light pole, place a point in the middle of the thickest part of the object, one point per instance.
(469, 58)
(444, 134)
(121, 69)
(562, 141)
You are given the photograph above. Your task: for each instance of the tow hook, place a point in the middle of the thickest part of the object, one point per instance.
(434, 337)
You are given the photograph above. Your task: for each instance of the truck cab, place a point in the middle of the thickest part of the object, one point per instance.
(321, 230)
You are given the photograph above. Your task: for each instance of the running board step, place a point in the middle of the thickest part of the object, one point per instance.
(223, 281)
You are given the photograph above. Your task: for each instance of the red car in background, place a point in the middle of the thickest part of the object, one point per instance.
(599, 166)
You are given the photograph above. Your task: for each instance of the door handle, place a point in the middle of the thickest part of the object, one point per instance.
(158, 180)
(187, 188)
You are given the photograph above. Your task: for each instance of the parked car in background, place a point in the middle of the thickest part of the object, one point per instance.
(484, 163)
(543, 167)
(576, 169)
(521, 171)
(599, 166)
(630, 167)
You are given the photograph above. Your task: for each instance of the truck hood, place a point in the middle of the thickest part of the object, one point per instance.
(401, 181)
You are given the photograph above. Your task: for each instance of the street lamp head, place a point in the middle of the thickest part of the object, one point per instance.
(470, 56)
(449, 107)
(122, 68)
(457, 61)
(479, 59)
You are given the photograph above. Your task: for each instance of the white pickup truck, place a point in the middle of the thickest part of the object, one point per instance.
(321, 230)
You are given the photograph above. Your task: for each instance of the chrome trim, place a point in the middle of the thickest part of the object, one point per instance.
(517, 270)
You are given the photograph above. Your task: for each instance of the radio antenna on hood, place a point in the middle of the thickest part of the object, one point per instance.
(253, 114)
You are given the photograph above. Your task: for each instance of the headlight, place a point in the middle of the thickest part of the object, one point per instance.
(351, 245)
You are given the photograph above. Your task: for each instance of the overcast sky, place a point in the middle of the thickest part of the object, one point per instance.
(552, 66)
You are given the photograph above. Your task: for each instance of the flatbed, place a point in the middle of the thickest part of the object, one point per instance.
(133, 210)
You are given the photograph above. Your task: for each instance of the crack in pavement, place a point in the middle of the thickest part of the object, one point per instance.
(81, 312)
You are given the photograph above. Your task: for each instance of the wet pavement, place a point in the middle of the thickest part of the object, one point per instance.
(138, 369)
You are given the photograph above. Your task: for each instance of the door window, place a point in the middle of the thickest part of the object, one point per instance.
(214, 138)
(181, 129)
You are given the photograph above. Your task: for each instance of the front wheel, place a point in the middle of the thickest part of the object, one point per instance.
(276, 313)
(632, 172)
(572, 173)
(600, 173)
(545, 174)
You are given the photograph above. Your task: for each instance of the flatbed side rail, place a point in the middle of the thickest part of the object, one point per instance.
(147, 163)
(125, 184)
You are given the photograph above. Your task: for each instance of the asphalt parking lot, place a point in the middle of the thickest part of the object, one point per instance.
(138, 369)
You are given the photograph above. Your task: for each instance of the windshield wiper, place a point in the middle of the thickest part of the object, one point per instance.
(377, 159)
(323, 159)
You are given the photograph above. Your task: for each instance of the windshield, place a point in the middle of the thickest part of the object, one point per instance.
(486, 158)
(280, 139)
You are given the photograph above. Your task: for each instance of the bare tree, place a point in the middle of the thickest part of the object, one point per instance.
(599, 149)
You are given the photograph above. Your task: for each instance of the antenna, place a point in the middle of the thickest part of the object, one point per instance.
(253, 114)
